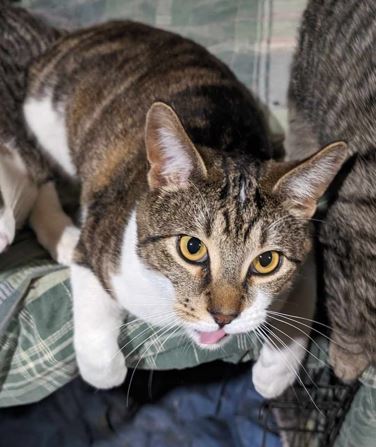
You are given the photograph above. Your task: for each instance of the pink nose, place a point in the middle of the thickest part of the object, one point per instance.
(222, 319)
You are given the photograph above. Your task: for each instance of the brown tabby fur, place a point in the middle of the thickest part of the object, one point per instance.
(23, 37)
(108, 76)
(107, 113)
(332, 95)
(160, 129)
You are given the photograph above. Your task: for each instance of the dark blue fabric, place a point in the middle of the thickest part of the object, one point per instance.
(210, 406)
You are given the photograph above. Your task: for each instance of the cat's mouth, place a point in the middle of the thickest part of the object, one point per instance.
(210, 338)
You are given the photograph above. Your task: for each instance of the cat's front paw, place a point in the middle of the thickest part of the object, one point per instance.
(67, 244)
(7, 229)
(272, 380)
(276, 370)
(102, 371)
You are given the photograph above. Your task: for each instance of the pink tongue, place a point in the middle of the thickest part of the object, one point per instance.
(209, 338)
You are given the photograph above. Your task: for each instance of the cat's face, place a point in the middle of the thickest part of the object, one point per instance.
(220, 239)
(228, 250)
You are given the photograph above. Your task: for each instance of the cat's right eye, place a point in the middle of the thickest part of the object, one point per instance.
(192, 249)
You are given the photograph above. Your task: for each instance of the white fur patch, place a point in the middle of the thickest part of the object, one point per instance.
(18, 193)
(7, 228)
(277, 369)
(47, 122)
(252, 317)
(97, 320)
(142, 291)
(176, 161)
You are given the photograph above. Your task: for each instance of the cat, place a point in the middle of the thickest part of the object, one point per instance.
(23, 168)
(186, 220)
(332, 96)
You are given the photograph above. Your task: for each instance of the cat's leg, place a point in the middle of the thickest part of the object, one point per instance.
(97, 321)
(348, 363)
(349, 285)
(281, 356)
(7, 225)
(17, 194)
(55, 230)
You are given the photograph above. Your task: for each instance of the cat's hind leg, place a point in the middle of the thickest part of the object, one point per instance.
(17, 195)
(54, 229)
(7, 225)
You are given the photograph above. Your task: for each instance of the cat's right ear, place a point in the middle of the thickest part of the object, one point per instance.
(304, 183)
(174, 161)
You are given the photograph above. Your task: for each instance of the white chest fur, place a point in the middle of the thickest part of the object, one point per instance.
(140, 290)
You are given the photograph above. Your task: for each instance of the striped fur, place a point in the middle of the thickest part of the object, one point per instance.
(165, 141)
(106, 97)
(332, 95)
(23, 37)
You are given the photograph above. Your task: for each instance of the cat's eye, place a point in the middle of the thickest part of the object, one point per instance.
(266, 263)
(192, 249)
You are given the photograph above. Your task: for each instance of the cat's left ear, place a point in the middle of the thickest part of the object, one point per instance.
(174, 161)
(303, 185)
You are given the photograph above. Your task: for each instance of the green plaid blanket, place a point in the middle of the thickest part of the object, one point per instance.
(256, 39)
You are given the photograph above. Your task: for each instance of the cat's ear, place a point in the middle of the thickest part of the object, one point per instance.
(174, 161)
(304, 184)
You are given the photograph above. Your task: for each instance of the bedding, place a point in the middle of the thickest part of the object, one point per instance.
(256, 39)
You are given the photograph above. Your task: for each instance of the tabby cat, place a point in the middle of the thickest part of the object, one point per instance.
(186, 220)
(23, 37)
(332, 95)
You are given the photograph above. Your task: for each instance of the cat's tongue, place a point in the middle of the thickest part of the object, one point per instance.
(209, 338)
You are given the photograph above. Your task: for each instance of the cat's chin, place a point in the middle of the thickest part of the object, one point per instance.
(209, 340)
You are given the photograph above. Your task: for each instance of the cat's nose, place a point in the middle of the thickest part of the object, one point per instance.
(222, 319)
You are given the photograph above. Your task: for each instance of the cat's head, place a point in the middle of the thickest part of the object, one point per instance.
(217, 239)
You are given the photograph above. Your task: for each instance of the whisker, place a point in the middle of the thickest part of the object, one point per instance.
(295, 317)
(291, 369)
(141, 357)
(301, 318)
(299, 344)
(139, 335)
(301, 331)
(166, 329)
(124, 325)
(261, 341)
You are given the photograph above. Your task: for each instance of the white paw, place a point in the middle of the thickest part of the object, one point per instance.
(7, 229)
(272, 380)
(102, 370)
(67, 244)
(276, 370)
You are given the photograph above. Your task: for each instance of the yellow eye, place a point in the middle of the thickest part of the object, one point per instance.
(266, 263)
(192, 249)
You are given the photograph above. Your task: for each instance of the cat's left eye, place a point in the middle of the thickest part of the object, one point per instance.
(192, 249)
(266, 263)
